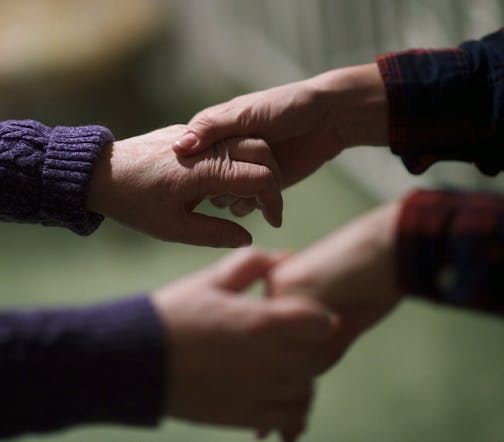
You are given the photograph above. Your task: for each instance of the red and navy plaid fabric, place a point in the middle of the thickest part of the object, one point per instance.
(450, 248)
(449, 105)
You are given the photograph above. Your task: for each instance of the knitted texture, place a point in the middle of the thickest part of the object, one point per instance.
(63, 367)
(45, 173)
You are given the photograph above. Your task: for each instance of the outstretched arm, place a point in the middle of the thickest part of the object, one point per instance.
(72, 176)
(140, 182)
(443, 246)
(194, 350)
(427, 105)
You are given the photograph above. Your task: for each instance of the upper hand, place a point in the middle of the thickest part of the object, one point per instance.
(142, 183)
(241, 361)
(305, 123)
(293, 119)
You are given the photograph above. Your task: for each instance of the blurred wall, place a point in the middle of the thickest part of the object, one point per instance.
(262, 43)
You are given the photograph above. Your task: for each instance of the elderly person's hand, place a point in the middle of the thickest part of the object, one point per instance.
(142, 183)
(352, 272)
(304, 123)
(239, 361)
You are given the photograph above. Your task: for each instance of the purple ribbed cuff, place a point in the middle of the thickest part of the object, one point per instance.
(70, 157)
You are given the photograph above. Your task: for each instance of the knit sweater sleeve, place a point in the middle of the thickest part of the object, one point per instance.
(73, 366)
(45, 173)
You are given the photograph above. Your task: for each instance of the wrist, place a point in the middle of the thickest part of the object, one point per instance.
(100, 184)
(356, 101)
(381, 227)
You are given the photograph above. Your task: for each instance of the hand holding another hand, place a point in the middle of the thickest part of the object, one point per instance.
(142, 183)
(305, 123)
(352, 272)
(239, 361)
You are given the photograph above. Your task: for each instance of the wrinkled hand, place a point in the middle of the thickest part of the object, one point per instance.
(142, 183)
(239, 361)
(305, 123)
(352, 272)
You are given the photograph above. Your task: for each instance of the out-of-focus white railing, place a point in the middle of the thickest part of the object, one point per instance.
(261, 43)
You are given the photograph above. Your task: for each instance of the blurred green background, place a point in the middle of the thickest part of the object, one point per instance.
(425, 373)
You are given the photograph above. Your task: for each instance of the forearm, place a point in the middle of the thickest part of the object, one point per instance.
(45, 173)
(352, 266)
(65, 367)
(356, 101)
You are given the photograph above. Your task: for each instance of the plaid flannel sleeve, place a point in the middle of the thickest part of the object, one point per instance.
(447, 104)
(450, 248)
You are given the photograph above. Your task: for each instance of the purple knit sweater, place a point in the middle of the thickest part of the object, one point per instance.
(64, 367)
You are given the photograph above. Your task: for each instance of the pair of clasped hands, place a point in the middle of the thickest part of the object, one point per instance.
(235, 360)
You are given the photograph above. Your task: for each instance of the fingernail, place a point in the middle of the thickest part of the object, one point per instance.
(188, 141)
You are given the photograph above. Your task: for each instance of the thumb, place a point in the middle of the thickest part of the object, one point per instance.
(210, 126)
(242, 268)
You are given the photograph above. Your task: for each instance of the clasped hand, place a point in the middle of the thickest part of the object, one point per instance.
(240, 361)
(252, 362)
(140, 182)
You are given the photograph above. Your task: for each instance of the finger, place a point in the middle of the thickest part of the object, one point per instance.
(239, 270)
(303, 320)
(222, 201)
(256, 151)
(243, 206)
(250, 180)
(268, 207)
(290, 422)
(203, 230)
(213, 124)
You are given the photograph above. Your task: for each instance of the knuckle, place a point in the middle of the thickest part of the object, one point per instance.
(259, 150)
(265, 175)
(257, 145)
(204, 121)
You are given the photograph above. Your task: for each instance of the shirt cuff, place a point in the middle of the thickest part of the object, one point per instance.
(427, 94)
(450, 248)
(65, 367)
(446, 104)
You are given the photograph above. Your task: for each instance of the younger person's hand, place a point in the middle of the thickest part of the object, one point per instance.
(351, 271)
(239, 361)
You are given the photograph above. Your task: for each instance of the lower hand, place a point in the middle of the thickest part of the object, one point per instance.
(352, 272)
(239, 361)
(142, 183)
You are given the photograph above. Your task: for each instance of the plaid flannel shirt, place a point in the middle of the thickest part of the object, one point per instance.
(448, 104)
